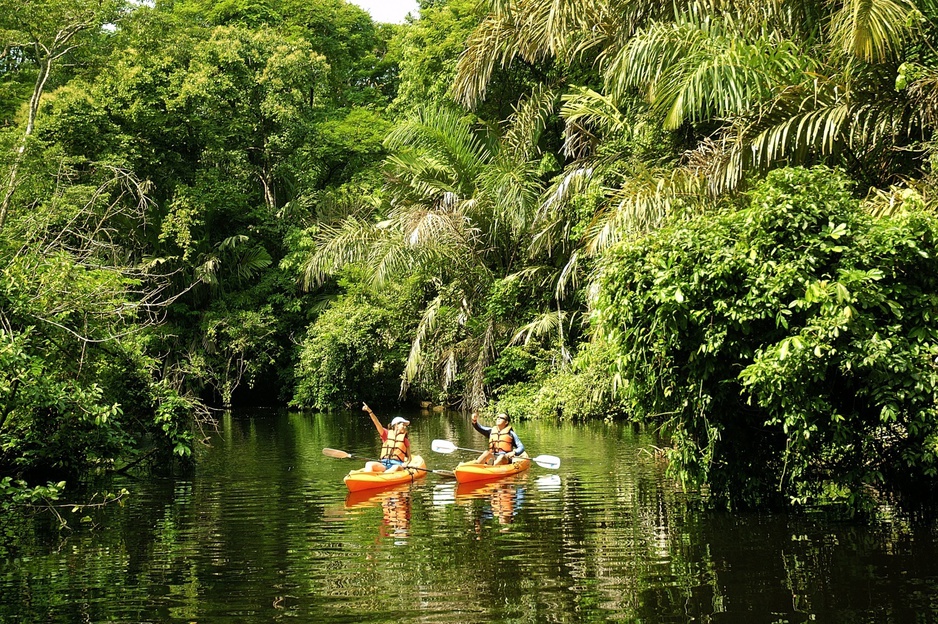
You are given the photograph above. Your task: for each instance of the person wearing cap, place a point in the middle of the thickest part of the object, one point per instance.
(395, 443)
(503, 441)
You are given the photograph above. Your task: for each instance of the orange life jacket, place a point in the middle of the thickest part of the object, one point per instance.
(501, 441)
(394, 446)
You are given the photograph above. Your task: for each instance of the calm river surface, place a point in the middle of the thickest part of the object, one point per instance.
(263, 531)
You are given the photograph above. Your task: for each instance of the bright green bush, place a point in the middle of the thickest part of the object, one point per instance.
(788, 347)
(528, 382)
(565, 395)
(357, 348)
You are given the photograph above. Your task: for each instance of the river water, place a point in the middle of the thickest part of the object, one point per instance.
(264, 531)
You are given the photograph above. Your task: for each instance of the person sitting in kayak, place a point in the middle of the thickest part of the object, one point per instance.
(395, 443)
(503, 441)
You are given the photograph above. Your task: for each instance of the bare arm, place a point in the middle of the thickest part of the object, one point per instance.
(374, 418)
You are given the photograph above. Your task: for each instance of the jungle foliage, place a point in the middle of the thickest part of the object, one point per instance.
(792, 335)
(715, 219)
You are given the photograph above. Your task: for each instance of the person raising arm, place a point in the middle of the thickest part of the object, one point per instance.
(395, 441)
(503, 441)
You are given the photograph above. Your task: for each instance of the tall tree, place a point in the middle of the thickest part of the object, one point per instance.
(40, 33)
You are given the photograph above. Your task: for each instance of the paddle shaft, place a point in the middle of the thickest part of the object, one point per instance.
(346, 455)
(459, 448)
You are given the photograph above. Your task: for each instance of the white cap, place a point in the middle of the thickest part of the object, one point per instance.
(398, 420)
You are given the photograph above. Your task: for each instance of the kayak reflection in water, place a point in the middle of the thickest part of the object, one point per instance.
(503, 441)
(504, 499)
(396, 508)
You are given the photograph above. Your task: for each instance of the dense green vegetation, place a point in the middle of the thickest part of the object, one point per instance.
(714, 219)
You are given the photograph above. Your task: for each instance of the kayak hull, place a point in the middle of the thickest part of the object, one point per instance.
(364, 479)
(470, 472)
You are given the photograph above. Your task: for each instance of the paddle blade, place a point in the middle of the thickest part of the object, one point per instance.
(328, 452)
(445, 473)
(443, 446)
(547, 461)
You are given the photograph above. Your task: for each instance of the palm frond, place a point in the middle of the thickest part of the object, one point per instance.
(568, 279)
(824, 121)
(390, 260)
(338, 245)
(696, 71)
(544, 325)
(553, 222)
(414, 177)
(575, 181)
(533, 30)
(207, 272)
(491, 44)
(792, 20)
(251, 261)
(873, 30)
(477, 352)
(448, 367)
(511, 191)
(528, 121)
(440, 138)
(415, 358)
(233, 241)
(923, 93)
(498, 7)
(423, 227)
(588, 116)
(898, 200)
(642, 203)
(608, 26)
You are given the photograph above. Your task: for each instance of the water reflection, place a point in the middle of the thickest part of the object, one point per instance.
(549, 483)
(265, 530)
(395, 503)
(504, 498)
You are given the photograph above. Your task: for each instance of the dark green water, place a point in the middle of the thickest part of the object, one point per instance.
(264, 532)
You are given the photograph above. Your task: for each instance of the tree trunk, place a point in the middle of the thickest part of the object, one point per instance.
(44, 70)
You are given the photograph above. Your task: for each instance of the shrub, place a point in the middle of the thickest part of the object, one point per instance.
(357, 347)
(788, 347)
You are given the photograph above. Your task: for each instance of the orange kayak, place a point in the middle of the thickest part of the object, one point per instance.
(468, 472)
(365, 479)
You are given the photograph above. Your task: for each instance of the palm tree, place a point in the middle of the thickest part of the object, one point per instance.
(744, 87)
(461, 204)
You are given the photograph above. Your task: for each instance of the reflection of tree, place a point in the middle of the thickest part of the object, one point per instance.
(622, 541)
(250, 534)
